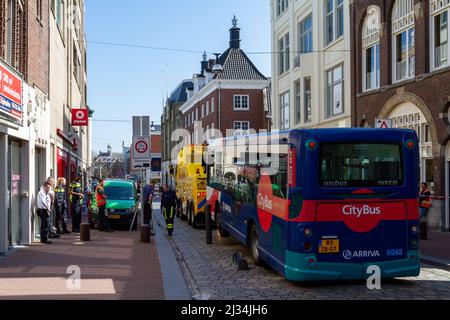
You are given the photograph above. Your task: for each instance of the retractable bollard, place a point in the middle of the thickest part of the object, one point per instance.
(208, 224)
(145, 233)
(85, 232)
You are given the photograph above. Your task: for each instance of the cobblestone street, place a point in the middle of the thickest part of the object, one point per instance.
(210, 273)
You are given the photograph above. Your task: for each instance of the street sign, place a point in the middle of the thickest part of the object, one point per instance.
(80, 117)
(141, 152)
(383, 123)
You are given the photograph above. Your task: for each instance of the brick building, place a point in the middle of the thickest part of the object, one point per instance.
(24, 116)
(401, 71)
(232, 99)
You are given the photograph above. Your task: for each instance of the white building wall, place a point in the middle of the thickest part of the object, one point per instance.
(313, 65)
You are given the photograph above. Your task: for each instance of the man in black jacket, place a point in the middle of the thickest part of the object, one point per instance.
(168, 207)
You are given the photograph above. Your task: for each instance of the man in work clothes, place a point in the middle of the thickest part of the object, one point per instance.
(76, 198)
(101, 205)
(168, 206)
(61, 207)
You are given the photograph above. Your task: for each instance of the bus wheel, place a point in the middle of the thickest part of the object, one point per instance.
(254, 243)
(189, 214)
(194, 224)
(223, 233)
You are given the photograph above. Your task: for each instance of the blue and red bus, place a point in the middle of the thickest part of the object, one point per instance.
(320, 204)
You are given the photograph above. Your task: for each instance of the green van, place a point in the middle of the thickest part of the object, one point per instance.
(121, 206)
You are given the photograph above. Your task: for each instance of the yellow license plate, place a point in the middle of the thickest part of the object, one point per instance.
(114, 216)
(329, 246)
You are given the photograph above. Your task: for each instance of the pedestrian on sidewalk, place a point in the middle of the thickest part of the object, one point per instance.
(51, 219)
(148, 194)
(101, 198)
(168, 206)
(76, 199)
(43, 211)
(424, 200)
(61, 207)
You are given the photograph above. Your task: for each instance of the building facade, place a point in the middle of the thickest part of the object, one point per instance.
(411, 87)
(71, 146)
(171, 120)
(311, 64)
(232, 99)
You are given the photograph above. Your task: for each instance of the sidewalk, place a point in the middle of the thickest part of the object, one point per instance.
(113, 266)
(437, 248)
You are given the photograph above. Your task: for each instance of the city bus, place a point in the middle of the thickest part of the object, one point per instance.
(191, 184)
(320, 204)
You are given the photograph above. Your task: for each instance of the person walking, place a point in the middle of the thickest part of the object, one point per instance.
(101, 198)
(61, 207)
(43, 211)
(76, 198)
(424, 200)
(148, 194)
(168, 206)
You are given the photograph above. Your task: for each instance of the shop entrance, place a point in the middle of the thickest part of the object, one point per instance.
(14, 192)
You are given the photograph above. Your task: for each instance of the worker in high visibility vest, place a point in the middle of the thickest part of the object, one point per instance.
(76, 201)
(61, 206)
(424, 199)
(168, 206)
(101, 198)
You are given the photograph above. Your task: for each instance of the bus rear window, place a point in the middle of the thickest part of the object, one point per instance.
(361, 165)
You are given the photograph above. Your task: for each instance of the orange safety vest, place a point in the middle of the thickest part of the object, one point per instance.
(101, 201)
(426, 203)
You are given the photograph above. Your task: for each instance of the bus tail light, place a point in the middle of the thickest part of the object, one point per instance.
(410, 144)
(415, 244)
(414, 229)
(307, 232)
(311, 145)
(307, 246)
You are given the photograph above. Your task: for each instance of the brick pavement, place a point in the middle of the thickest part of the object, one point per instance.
(437, 245)
(211, 274)
(113, 266)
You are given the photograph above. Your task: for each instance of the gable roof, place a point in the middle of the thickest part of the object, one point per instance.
(237, 66)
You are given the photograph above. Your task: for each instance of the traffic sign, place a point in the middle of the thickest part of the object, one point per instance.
(141, 152)
(383, 123)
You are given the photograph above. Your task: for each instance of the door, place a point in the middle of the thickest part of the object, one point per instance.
(14, 188)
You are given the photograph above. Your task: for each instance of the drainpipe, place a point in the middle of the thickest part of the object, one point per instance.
(447, 194)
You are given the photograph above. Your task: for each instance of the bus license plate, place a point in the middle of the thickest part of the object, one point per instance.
(329, 246)
(114, 216)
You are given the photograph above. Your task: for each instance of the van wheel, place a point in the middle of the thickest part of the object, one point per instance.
(223, 233)
(254, 243)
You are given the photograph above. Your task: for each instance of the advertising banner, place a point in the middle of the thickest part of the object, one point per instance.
(80, 117)
(10, 93)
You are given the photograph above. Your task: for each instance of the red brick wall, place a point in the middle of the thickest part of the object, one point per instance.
(38, 46)
(256, 114)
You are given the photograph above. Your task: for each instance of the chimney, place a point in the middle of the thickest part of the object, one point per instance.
(235, 38)
(204, 64)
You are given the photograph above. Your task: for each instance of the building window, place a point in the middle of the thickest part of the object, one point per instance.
(335, 91)
(76, 64)
(241, 102)
(439, 11)
(308, 99)
(203, 111)
(59, 15)
(298, 101)
(196, 114)
(212, 105)
(241, 128)
(282, 5)
(283, 54)
(306, 35)
(284, 111)
(371, 49)
(403, 40)
(207, 107)
(334, 20)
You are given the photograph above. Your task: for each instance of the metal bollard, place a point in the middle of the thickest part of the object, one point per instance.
(85, 232)
(208, 224)
(145, 233)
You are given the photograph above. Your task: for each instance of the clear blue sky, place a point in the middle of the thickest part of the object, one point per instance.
(124, 81)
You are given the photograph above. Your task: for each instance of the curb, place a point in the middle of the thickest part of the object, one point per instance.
(443, 263)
